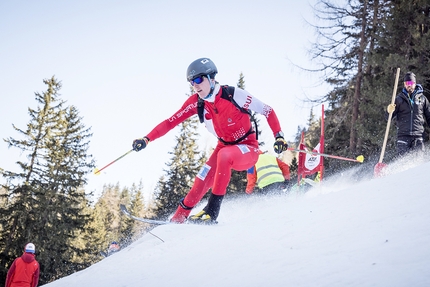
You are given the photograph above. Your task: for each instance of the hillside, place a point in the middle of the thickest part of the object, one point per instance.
(375, 232)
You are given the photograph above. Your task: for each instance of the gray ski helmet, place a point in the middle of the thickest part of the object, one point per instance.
(201, 67)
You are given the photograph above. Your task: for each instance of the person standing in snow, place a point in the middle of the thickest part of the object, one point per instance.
(411, 109)
(24, 271)
(113, 247)
(269, 173)
(223, 109)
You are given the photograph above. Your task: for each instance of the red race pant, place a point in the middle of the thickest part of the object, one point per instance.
(216, 173)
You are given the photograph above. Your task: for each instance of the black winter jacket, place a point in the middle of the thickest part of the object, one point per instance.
(411, 112)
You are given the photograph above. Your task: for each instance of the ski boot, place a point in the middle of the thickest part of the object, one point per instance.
(201, 218)
(210, 213)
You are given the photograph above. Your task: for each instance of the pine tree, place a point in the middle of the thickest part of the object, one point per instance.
(87, 238)
(108, 217)
(45, 202)
(313, 132)
(110, 224)
(241, 81)
(361, 46)
(96, 232)
(131, 229)
(3, 196)
(403, 42)
(134, 229)
(346, 41)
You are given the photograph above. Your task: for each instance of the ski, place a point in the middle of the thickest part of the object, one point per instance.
(145, 220)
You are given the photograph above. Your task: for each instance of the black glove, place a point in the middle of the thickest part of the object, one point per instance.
(140, 144)
(280, 145)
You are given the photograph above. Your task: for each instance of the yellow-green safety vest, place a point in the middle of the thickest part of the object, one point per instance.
(268, 171)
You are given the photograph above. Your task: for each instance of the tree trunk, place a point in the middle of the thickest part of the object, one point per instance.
(358, 80)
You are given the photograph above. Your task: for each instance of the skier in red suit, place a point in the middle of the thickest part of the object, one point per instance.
(223, 109)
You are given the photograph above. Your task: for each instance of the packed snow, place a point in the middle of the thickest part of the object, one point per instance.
(346, 232)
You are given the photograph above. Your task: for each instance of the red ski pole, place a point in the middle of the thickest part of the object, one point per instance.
(359, 158)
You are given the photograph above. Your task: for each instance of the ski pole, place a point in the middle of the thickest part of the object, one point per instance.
(97, 171)
(359, 158)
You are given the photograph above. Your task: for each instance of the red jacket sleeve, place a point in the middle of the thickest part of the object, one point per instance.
(272, 120)
(10, 274)
(188, 109)
(284, 168)
(36, 276)
(249, 102)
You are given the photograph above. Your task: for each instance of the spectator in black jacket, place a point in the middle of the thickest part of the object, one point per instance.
(411, 110)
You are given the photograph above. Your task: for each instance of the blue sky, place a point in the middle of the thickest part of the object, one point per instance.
(123, 64)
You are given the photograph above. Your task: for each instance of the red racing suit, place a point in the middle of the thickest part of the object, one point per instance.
(229, 124)
(24, 272)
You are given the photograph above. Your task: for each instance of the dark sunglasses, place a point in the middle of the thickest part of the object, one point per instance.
(197, 80)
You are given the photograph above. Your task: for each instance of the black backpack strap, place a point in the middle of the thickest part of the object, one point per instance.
(239, 139)
(254, 120)
(200, 108)
(227, 94)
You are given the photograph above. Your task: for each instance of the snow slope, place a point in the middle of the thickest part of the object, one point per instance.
(370, 233)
